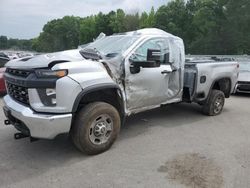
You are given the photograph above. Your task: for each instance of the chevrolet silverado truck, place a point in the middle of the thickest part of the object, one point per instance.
(89, 92)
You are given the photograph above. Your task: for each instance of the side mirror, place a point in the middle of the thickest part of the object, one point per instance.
(158, 56)
(146, 64)
(135, 66)
(154, 55)
(153, 61)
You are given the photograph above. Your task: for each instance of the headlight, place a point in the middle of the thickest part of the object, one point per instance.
(44, 73)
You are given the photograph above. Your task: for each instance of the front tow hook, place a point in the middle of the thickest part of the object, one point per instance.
(7, 122)
(18, 136)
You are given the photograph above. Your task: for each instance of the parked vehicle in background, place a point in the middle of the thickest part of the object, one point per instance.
(243, 84)
(2, 54)
(3, 59)
(2, 82)
(13, 56)
(89, 92)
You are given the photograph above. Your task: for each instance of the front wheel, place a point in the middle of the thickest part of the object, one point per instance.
(95, 128)
(215, 103)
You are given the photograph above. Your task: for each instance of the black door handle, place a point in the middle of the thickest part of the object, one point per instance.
(166, 72)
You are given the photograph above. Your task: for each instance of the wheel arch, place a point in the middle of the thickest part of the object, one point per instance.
(109, 93)
(223, 84)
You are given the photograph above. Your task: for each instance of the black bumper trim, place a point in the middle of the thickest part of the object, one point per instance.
(19, 125)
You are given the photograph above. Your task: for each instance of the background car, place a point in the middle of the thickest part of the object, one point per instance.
(243, 84)
(3, 59)
(2, 82)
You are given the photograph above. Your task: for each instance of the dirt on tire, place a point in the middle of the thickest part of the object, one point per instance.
(193, 170)
(81, 127)
(208, 107)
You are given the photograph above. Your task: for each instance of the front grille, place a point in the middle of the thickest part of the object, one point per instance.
(244, 87)
(18, 93)
(18, 72)
(247, 83)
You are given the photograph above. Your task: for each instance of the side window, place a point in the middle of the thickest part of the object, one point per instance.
(156, 44)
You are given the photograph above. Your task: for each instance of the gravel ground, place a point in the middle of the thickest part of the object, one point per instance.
(175, 146)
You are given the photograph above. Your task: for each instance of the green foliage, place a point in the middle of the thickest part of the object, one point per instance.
(102, 23)
(206, 26)
(59, 35)
(147, 20)
(87, 29)
(15, 44)
(117, 21)
(3, 42)
(131, 22)
(172, 18)
(237, 31)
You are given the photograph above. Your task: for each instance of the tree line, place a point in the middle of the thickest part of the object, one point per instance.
(206, 26)
(15, 44)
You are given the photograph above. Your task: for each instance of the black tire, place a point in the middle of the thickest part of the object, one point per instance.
(88, 128)
(215, 103)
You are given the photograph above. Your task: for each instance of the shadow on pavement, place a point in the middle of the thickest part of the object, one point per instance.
(242, 95)
(168, 116)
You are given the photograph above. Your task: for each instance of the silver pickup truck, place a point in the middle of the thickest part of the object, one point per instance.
(89, 92)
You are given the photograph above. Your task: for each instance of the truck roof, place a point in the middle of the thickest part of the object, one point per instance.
(150, 32)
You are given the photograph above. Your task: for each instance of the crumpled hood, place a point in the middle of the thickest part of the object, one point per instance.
(43, 61)
(244, 76)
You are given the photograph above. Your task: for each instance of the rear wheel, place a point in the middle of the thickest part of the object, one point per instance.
(215, 103)
(96, 127)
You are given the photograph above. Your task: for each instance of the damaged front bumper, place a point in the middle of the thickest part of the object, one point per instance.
(36, 125)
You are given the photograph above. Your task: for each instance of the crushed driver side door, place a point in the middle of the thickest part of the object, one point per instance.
(148, 87)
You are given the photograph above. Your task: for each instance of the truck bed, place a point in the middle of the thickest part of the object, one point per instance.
(200, 76)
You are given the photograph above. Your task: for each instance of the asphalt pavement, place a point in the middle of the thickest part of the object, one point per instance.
(174, 146)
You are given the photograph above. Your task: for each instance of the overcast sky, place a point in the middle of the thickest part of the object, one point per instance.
(26, 18)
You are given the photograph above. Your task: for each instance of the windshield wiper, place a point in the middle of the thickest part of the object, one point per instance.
(112, 54)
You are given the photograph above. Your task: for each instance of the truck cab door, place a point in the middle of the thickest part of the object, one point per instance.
(147, 87)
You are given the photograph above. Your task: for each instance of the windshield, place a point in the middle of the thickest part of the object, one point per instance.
(115, 44)
(245, 66)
